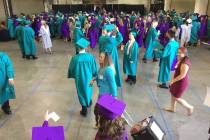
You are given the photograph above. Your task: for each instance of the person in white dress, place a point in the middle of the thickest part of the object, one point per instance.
(186, 32)
(45, 37)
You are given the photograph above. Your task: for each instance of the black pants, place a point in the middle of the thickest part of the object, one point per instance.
(6, 106)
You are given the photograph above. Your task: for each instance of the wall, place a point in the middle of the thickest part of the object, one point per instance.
(2, 12)
(208, 12)
(27, 6)
(201, 7)
(183, 5)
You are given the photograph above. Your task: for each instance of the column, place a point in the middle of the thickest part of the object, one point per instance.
(201, 6)
(167, 5)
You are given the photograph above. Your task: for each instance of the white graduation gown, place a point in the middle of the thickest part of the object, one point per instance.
(45, 37)
(186, 33)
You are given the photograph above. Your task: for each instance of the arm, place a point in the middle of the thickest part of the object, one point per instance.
(71, 69)
(9, 69)
(183, 73)
(134, 53)
(119, 38)
(112, 84)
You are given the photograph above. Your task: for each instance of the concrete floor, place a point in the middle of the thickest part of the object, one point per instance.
(43, 85)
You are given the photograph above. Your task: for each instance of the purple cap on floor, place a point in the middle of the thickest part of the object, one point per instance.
(48, 133)
(110, 107)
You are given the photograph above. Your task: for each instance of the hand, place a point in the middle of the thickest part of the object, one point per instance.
(117, 29)
(46, 116)
(11, 82)
(171, 82)
(91, 83)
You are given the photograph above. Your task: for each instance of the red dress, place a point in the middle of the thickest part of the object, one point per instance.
(178, 88)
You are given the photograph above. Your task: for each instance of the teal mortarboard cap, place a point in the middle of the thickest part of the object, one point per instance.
(27, 22)
(83, 43)
(109, 27)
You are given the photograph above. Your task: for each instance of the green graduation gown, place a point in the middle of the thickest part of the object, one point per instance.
(152, 36)
(11, 28)
(6, 72)
(194, 32)
(110, 45)
(29, 41)
(166, 61)
(19, 36)
(83, 68)
(106, 81)
(130, 59)
(78, 34)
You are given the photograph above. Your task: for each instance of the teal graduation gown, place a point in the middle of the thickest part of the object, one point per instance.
(106, 81)
(29, 41)
(194, 32)
(19, 36)
(11, 28)
(166, 61)
(6, 72)
(110, 45)
(151, 38)
(130, 59)
(78, 34)
(83, 68)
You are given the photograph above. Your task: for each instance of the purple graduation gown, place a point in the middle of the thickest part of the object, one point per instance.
(203, 26)
(126, 32)
(93, 34)
(140, 35)
(65, 30)
(38, 25)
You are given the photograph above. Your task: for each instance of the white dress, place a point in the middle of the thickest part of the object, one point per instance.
(186, 33)
(45, 37)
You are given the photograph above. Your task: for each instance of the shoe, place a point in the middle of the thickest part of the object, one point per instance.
(144, 60)
(27, 57)
(163, 86)
(155, 60)
(127, 80)
(34, 57)
(7, 111)
(83, 112)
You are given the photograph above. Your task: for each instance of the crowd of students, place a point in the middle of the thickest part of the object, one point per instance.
(164, 35)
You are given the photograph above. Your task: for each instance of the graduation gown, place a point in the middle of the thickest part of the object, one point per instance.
(83, 68)
(130, 59)
(19, 36)
(93, 34)
(52, 27)
(6, 72)
(110, 45)
(152, 35)
(45, 37)
(65, 30)
(11, 28)
(4, 35)
(167, 59)
(59, 25)
(29, 41)
(195, 32)
(106, 81)
(78, 34)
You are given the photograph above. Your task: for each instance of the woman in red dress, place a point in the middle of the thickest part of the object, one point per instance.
(179, 83)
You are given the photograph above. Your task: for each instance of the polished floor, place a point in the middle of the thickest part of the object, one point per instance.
(43, 85)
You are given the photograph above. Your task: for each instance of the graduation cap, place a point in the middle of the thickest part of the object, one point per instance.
(83, 43)
(48, 133)
(109, 107)
(109, 27)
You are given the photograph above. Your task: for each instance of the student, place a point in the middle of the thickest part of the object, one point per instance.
(106, 76)
(180, 82)
(152, 36)
(78, 34)
(167, 59)
(29, 41)
(45, 37)
(6, 82)
(65, 29)
(19, 36)
(186, 32)
(109, 42)
(4, 33)
(111, 125)
(83, 68)
(130, 59)
(194, 31)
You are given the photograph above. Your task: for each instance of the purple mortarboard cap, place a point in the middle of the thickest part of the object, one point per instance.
(48, 133)
(110, 107)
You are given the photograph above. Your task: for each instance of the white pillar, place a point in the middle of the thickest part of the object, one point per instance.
(167, 5)
(201, 6)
